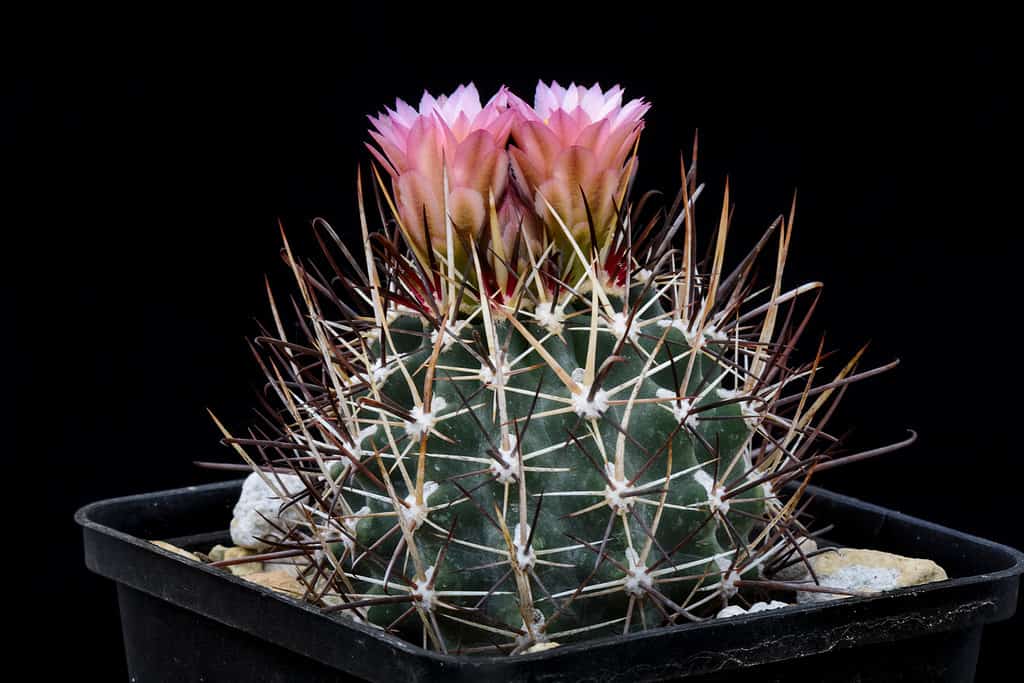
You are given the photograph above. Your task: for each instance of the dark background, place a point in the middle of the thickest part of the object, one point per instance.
(148, 178)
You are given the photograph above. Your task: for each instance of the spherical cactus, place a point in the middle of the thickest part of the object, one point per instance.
(527, 411)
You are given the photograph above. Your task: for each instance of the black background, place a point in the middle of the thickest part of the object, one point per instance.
(148, 176)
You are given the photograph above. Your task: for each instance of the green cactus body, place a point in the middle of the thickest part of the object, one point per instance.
(623, 473)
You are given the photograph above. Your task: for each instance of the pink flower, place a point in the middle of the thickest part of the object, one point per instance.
(453, 133)
(571, 139)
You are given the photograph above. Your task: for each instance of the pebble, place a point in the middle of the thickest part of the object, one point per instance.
(280, 580)
(243, 569)
(540, 647)
(258, 506)
(868, 571)
(797, 570)
(736, 610)
(175, 549)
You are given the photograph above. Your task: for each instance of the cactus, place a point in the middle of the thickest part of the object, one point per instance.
(528, 429)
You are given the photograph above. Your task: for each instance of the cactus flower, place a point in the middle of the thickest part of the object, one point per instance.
(571, 139)
(451, 133)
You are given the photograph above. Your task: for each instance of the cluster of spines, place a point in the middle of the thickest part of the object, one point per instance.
(329, 390)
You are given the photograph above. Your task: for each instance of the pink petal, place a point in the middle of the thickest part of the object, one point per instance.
(559, 196)
(594, 136)
(384, 163)
(564, 126)
(475, 160)
(395, 155)
(577, 167)
(466, 208)
(424, 149)
(538, 142)
(419, 195)
(527, 176)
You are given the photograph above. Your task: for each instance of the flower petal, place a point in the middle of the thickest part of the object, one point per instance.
(466, 208)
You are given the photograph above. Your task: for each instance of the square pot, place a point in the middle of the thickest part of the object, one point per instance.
(187, 621)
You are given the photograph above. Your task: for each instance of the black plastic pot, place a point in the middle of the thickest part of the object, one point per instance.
(184, 621)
